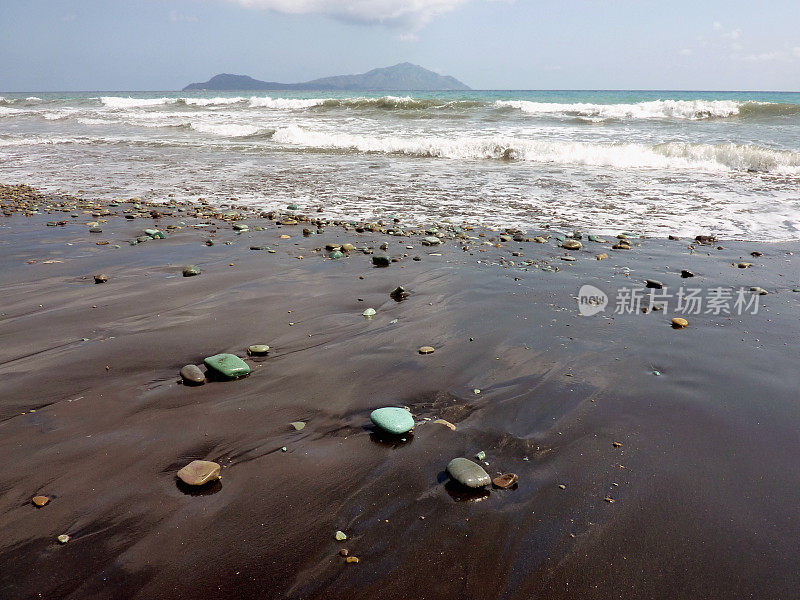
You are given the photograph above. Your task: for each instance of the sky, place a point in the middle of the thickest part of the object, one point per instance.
(126, 45)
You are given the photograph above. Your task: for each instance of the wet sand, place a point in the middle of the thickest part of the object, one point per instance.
(703, 475)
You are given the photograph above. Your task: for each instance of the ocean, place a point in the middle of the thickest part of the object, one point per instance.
(684, 163)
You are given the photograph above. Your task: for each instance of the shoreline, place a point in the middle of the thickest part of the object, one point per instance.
(691, 432)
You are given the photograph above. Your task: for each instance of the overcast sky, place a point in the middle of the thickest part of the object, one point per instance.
(488, 44)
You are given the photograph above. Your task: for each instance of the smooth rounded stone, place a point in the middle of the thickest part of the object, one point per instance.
(227, 365)
(95, 230)
(601, 256)
(292, 206)
(340, 536)
(307, 232)
(191, 271)
(155, 234)
(298, 425)
(431, 240)
(258, 350)
(679, 323)
(652, 283)
(572, 245)
(199, 472)
(370, 312)
(427, 350)
(744, 265)
(540, 240)
(685, 273)
(468, 473)
(392, 420)
(759, 290)
(40, 500)
(143, 238)
(100, 278)
(381, 261)
(351, 560)
(348, 247)
(621, 246)
(63, 538)
(335, 254)
(193, 375)
(240, 227)
(332, 247)
(505, 481)
(258, 247)
(566, 258)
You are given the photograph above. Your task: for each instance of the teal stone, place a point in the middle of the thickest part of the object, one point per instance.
(240, 227)
(560, 238)
(191, 271)
(392, 420)
(258, 350)
(292, 207)
(381, 261)
(431, 241)
(228, 365)
(155, 234)
(335, 254)
(468, 473)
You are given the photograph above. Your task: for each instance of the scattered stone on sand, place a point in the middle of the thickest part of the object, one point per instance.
(621, 246)
(427, 350)
(199, 472)
(744, 265)
(468, 473)
(705, 239)
(759, 290)
(652, 283)
(561, 486)
(679, 323)
(63, 538)
(155, 234)
(227, 365)
(95, 230)
(390, 419)
(602, 256)
(258, 350)
(100, 278)
(445, 423)
(351, 560)
(369, 313)
(505, 481)
(685, 273)
(566, 258)
(191, 271)
(340, 536)
(540, 240)
(298, 425)
(399, 293)
(348, 247)
(380, 260)
(616, 444)
(756, 254)
(192, 375)
(480, 455)
(40, 500)
(335, 254)
(344, 552)
(571, 245)
(431, 240)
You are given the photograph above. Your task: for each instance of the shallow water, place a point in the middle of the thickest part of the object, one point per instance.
(655, 162)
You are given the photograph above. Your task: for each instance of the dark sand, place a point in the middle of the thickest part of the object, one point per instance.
(706, 483)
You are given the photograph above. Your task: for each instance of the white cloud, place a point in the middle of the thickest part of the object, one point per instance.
(686, 52)
(177, 17)
(764, 57)
(400, 13)
(796, 51)
(717, 26)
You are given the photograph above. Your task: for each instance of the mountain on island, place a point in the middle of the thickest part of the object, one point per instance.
(402, 77)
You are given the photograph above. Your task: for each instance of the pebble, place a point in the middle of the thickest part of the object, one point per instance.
(258, 350)
(369, 313)
(431, 241)
(505, 481)
(679, 323)
(652, 283)
(566, 258)
(744, 265)
(340, 536)
(335, 254)
(468, 473)
(199, 472)
(427, 350)
(390, 419)
(602, 256)
(228, 365)
(40, 500)
(100, 278)
(63, 538)
(621, 246)
(380, 260)
(191, 271)
(95, 230)
(348, 247)
(344, 552)
(298, 425)
(686, 274)
(192, 375)
(572, 245)
(540, 240)
(759, 290)
(399, 293)
(351, 560)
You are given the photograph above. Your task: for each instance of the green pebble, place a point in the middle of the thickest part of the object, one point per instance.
(258, 350)
(340, 536)
(392, 420)
(227, 365)
(335, 254)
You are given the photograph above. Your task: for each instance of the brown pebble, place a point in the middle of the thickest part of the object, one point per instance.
(617, 444)
(609, 499)
(505, 481)
(427, 350)
(351, 560)
(40, 500)
(199, 472)
(679, 323)
(344, 552)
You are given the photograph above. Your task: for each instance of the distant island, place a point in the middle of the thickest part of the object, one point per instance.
(402, 77)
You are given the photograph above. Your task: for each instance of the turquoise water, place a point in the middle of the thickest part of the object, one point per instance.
(678, 162)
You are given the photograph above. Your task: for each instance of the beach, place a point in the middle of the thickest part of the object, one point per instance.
(653, 461)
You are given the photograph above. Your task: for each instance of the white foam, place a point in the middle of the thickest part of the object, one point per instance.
(285, 103)
(704, 157)
(220, 101)
(658, 109)
(227, 129)
(118, 103)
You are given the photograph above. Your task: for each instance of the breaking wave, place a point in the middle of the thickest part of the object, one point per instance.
(707, 157)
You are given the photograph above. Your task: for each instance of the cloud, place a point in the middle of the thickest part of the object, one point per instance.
(411, 14)
(685, 52)
(177, 17)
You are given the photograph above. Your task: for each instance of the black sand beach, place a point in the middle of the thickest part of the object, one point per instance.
(653, 462)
